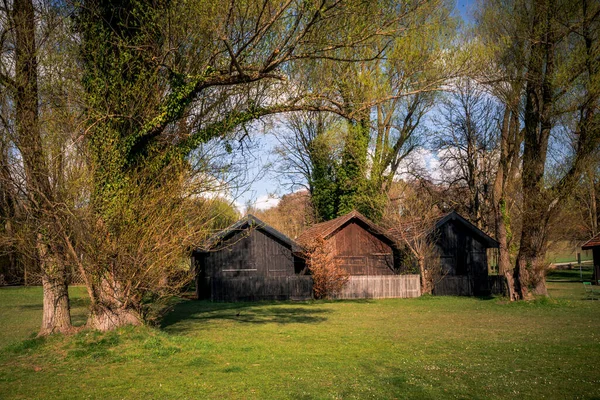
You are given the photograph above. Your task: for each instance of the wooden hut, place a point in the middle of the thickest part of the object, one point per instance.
(594, 245)
(463, 254)
(369, 256)
(360, 246)
(249, 260)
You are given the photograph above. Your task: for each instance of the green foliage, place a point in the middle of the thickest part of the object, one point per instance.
(381, 104)
(323, 175)
(340, 185)
(352, 170)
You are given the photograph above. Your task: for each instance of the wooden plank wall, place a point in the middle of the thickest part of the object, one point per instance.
(459, 285)
(381, 287)
(255, 288)
(362, 253)
(249, 253)
(464, 285)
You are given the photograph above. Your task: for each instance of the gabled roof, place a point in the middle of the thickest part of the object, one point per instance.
(593, 242)
(324, 230)
(454, 216)
(249, 221)
(414, 227)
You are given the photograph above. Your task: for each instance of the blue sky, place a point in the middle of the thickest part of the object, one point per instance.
(264, 192)
(465, 8)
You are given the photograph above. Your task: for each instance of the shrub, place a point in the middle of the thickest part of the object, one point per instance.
(328, 277)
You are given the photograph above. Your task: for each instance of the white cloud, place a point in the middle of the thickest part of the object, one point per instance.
(420, 162)
(241, 209)
(265, 202)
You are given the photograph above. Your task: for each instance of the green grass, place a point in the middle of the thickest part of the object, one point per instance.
(21, 311)
(571, 275)
(566, 251)
(430, 348)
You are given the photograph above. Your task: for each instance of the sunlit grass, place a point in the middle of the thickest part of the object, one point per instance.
(430, 347)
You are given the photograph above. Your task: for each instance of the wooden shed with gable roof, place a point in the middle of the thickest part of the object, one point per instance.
(360, 246)
(248, 260)
(462, 248)
(594, 245)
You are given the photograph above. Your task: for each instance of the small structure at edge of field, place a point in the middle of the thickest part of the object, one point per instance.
(462, 248)
(594, 245)
(250, 260)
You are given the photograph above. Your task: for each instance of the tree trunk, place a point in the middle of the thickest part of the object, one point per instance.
(502, 238)
(29, 140)
(529, 272)
(56, 310)
(593, 210)
(56, 306)
(426, 284)
(510, 142)
(110, 308)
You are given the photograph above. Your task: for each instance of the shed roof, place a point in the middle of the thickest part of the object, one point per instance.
(414, 227)
(324, 230)
(593, 242)
(249, 221)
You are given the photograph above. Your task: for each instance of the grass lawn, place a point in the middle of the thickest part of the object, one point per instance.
(571, 275)
(430, 348)
(566, 251)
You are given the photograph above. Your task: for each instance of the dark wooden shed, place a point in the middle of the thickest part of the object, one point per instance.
(463, 254)
(594, 245)
(361, 247)
(463, 246)
(247, 249)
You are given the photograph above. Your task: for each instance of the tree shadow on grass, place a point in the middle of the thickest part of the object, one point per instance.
(189, 315)
(486, 297)
(74, 302)
(573, 275)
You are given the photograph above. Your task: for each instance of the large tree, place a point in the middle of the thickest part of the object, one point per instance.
(350, 158)
(163, 78)
(466, 142)
(35, 138)
(554, 47)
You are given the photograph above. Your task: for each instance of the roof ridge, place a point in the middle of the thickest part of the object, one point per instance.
(593, 242)
(251, 220)
(440, 219)
(327, 228)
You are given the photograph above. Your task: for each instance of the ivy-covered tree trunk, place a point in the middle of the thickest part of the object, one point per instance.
(354, 189)
(118, 43)
(322, 181)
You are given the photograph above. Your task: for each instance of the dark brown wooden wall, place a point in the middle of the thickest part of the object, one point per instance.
(249, 253)
(596, 258)
(461, 253)
(362, 253)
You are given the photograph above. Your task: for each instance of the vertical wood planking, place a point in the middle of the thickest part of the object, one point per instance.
(381, 286)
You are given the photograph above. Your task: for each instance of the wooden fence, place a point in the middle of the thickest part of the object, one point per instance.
(298, 287)
(381, 286)
(498, 285)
